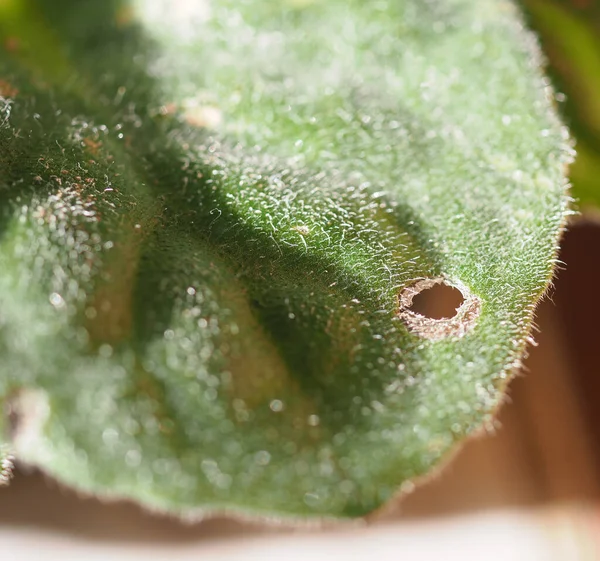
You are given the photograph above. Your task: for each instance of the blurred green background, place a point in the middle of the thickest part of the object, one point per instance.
(569, 31)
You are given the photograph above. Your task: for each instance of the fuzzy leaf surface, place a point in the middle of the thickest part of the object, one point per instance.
(208, 213)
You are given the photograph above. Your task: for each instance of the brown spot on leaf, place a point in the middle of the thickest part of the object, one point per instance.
(125, 16)
(7, 90)
(11, 44)
(92, 145)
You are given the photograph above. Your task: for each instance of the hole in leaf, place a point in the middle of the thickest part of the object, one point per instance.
(437, 302)
(436, 308)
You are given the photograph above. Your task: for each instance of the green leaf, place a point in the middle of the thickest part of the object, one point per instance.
(570, 33)
(215, 216)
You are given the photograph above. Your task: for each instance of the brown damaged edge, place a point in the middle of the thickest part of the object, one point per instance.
(434, 329)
